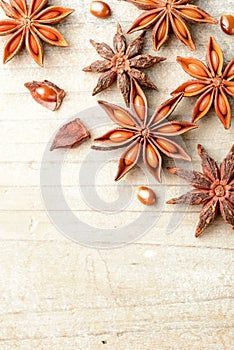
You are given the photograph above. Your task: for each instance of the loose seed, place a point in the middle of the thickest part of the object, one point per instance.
(227, 24)
(100, 9)
(168, 146)
(146, 196)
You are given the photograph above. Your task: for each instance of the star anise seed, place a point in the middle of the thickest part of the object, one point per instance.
(164, 15)
(142, 136)
(212, 83)
(214, 189)
(31, 25)
(122, 64)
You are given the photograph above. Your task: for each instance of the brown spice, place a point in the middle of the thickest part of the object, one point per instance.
(227, 24)
(30, 25)
(46, 93)
(214, 188)
(213, 83)
(146, 196)
(100, 9)
(163, 15)
(70, 135)
(141, 136)
(122, 64)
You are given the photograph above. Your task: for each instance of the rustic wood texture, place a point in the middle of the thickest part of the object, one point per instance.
(164, 291)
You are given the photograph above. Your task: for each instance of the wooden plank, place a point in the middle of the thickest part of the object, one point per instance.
(166, 290)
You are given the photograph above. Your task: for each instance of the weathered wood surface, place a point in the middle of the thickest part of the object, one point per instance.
(164, 291)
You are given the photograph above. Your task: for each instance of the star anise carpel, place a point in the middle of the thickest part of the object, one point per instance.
(164, 15)
(123, 63)
(214, 189)
(30, 25)
(143, 136)
(213, 83)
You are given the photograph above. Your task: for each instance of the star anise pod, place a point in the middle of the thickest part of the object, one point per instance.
(70, 135)
(122, 64)
(142, 136)
(212, 83)
(164, 15)
(214, 188)
(30, 25)
(46, 93)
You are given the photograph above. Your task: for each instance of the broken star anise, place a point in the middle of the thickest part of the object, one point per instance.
(122, 64)
(214, 188)
(70, 135)
(31, 25)
(142, 136)
(162, 15)
(212, 84)
(46, 93)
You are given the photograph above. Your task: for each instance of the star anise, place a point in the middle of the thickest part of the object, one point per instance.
(31, 25)
(214, 188)
(164, 15)
(122, 64)
(141, 136)
(212, 84)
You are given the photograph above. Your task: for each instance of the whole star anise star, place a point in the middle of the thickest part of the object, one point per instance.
(212, 84)
(214, 188)
(163, 15)
(122, 64)
(29, 25)
(142, 136)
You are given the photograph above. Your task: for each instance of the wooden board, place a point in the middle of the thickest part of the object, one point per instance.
(163, 291)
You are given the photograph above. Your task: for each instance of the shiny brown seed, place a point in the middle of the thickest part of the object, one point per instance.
(194, 87)
(191, 13)
(146, 196)
(227, 24)
(121, 136)
(180, 27)
(169, 128)
(163, 112)
(168, 146)
(14, 44)
(161, 31)
(139, 106)
(214, 59)
(100, 9)
(152, 158)
(197, 69)
(146, 20)
(33, 45)
(131, 156)
(46, 93)
(50, 15)
(222, 105)
(204, 103)
(121, 117)
(48, 34)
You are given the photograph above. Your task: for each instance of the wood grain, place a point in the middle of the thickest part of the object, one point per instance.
(163, 291)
